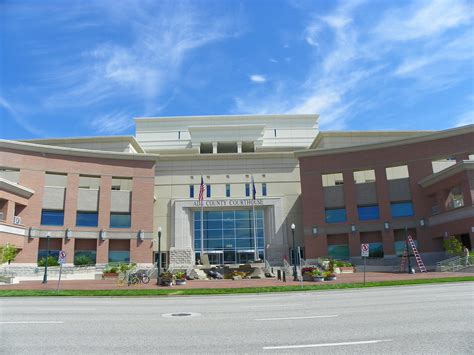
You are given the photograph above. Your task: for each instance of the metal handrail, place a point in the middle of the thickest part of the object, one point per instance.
(455, 264)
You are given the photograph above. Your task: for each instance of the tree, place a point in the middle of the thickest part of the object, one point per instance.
(453, 246)
(8, 253)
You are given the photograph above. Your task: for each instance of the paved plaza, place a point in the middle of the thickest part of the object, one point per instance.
(110, 284)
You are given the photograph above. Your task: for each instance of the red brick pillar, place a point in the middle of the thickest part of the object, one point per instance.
(102, 256)
(10, 212)
(68, 247)
(388, 239)
(354, 244)
(70, 205)
(29, 253)
(141, 251)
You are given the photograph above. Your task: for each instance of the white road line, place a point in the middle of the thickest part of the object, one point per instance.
(35, 322)
(290, 318)
(326, 344)
(78, 309)
(276, 305)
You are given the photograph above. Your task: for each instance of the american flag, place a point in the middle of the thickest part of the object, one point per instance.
(254, 191)
(202, 189)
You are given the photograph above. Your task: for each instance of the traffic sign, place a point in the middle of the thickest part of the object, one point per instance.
(364, 250)
(62, 257)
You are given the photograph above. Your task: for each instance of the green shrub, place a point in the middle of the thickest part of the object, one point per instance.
(52, 261)
(7, 253)
(180, 275)
(453, 246)
(83, 260)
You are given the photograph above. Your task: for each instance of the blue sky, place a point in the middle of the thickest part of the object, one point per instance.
(86, 68)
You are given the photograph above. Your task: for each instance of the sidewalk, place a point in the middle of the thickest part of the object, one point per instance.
(111, 284)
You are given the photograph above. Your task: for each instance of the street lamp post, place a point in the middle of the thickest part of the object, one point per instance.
(408, 251)
(295, 274)
(158, 277)
(45, 276)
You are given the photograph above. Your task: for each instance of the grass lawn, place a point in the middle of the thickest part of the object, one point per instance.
(175, 291)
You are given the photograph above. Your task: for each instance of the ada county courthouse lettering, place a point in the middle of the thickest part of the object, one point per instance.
(229, 203)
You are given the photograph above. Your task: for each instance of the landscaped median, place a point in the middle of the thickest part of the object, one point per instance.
(221, 291)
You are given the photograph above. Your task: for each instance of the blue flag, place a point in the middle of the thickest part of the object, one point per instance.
(254, 191)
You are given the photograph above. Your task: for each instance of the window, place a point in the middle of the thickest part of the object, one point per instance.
(119, 256)
(227, 190)
(264, 189)
(397, 172)
(367, 213)
(336, 215)
(401, 209)
(85, 257)
(122, 183)
(332, 179)
(247, 190)
(87, 219)
(208, 191)
(365, 176)
(339, 252)
(401, 247)
(120, 220)
(455, 198)
(376, 250)
(191, 191)
(52, 217)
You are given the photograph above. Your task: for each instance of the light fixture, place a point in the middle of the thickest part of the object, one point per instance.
(422, 222)
(141, 234)
(315, 230)
(353, 228)
(386, 225)
(445, 234)
(102, 234)
(68, 234)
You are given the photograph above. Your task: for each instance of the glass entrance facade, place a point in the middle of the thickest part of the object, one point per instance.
(228, 235)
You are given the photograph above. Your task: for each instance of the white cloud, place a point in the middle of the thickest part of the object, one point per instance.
(423, 19)
(257, 78)
(466, 118)
(5, 105)
(113, 123)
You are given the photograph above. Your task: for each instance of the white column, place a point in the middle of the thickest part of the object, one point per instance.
(214, 147)
(239, 147)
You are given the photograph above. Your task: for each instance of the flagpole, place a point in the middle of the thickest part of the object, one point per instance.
(202, 229)
(254, 231)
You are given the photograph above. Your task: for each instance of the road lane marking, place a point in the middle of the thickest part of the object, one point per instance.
(325, 344)
(276, 305)
(35, 322)
(291, 318)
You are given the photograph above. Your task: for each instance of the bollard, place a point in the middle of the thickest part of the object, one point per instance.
(284, 276)
(279, 274)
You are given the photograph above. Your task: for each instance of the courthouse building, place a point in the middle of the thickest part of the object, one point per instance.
(107, 197)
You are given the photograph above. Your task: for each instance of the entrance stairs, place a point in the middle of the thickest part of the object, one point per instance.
(457, 263)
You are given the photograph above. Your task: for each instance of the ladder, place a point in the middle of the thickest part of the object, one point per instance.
(418, 259)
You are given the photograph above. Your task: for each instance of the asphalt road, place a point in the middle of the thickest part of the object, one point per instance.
(428, 319)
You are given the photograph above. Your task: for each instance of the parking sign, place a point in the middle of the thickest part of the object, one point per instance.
(62, 257)
(364, 250)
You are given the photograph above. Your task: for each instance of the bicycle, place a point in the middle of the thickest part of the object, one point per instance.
(137, 278)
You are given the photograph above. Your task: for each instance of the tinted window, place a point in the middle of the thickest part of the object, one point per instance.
(120, 220)
(119, 256)
(87, 219)
(340, 252)
(368, 212)
(191, 191)
(401, 209)
(52, 218)
(336, 215)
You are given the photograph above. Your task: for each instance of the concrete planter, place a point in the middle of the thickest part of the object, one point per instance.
(180, 282)
(330, 278)
(109, 275)
(318, 278)
(346, 269)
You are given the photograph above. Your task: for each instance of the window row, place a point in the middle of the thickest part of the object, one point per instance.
(365, 176)
(341, 251)
(367, 213)
(248, 190)
(85, 219)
